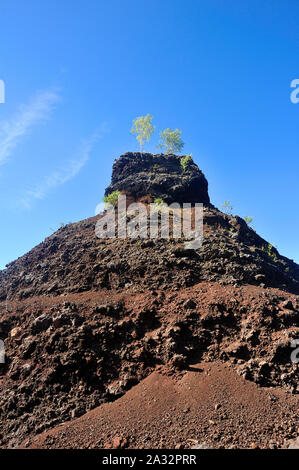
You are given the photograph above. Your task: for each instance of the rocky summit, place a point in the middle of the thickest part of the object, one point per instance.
(114, 343)
(159, 176)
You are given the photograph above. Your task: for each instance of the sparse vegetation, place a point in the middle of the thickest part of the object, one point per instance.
(111, 198)
(143, 129)
(60, 226)
(268, 249)
(158, 201)
(171, 140)
(248, 219)
(185, 161)
(227, 208)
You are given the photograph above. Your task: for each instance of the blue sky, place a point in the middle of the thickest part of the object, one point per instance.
(78, 72)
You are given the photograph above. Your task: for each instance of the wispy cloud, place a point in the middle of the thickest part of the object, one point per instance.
(63, 174)
(11, 132)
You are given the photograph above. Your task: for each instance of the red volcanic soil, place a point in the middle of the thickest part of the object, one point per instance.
(207, 406)
(68, 355)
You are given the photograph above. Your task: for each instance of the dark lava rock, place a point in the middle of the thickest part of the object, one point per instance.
(159, 176)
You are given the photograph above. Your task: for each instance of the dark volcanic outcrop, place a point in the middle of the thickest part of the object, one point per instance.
(159, 176)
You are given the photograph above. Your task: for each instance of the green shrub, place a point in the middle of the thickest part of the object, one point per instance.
(158, 201)
(185, 161)
(112, 198)
(248, 219)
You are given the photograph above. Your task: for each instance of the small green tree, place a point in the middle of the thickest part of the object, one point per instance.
(111, 198)
(171, 140)
(227, 208)
(143, 128)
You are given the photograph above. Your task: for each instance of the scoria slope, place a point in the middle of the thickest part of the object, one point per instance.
(84, 320)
